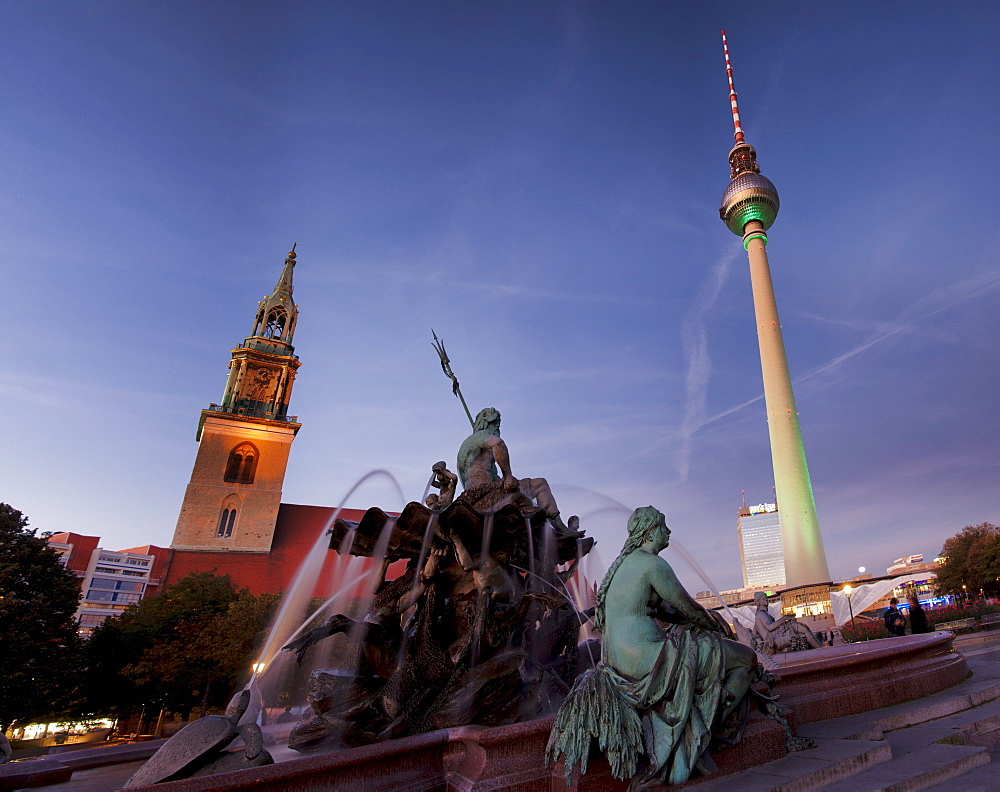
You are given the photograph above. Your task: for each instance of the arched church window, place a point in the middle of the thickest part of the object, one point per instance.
(226, 522)
(223, 520)
(275, 324)
(242, 465)
(233, 468)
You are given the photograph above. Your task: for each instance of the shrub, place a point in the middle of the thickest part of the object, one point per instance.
(863, 630)
(965, 610)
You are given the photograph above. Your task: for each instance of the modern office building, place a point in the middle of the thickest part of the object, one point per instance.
(761, 553)
(749, 208)
(111, 580)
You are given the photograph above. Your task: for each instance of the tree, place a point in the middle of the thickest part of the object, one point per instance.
(189, 646)
(40, 654)
(983, 565)
(971, 559)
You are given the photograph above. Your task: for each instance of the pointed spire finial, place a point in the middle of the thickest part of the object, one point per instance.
(291, 253)
(738, 133)
(743, 157)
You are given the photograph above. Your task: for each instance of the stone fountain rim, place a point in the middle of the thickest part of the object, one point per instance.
(811, 660)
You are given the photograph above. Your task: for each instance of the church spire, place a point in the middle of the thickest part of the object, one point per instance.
(277, 313)
(263, 367)
(232, 500)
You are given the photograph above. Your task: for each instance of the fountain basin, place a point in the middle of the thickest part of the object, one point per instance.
(464, 758)
(817, 684)
(834, 681)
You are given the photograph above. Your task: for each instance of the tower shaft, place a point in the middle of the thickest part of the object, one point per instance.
(749, 207)
(805, 558)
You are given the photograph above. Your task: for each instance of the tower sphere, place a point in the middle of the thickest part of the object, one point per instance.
(749, 196)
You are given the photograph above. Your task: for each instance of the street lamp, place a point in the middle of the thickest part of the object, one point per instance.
(847, 592)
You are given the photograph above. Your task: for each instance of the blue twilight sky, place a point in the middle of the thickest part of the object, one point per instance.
(539, 182)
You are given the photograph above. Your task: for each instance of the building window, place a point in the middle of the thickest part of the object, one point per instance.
(242, 464)
(226, 523)
(274, 325)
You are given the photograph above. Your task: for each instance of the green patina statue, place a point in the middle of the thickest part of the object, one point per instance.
(479, 456)
(659, 694)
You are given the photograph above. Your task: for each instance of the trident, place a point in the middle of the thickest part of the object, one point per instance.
(438, 345)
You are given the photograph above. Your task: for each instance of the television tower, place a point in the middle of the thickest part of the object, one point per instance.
(749, 207)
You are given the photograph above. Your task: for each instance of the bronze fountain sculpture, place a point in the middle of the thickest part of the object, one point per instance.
(480, 628)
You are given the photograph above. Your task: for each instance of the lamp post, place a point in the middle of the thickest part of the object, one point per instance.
(850, 607)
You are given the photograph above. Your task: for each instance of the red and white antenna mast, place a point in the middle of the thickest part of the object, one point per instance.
(738, 134)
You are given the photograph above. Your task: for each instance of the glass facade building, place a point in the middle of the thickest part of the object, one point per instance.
(113, 581)
(761, 553)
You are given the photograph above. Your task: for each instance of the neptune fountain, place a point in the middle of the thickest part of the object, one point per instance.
(476, 663)
(480, 627)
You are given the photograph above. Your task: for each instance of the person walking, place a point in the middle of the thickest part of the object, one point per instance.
(918, 619)
(895, 621)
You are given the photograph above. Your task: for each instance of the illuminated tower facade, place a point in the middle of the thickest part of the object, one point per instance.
(758, 529)
(231, 502)
(749, 207)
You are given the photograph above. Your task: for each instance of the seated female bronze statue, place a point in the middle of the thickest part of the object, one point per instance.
(658, 694)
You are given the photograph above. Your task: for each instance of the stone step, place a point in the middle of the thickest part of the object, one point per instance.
(830, 761)
(972, 700)
(980, 779)
(907, 746)
(928, 751)
(33, 773)
(963, 728)
(915, 770)
(986, 739)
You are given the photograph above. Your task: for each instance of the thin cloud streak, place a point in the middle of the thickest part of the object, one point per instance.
(699, 363)
(440, 276)
(933, 303)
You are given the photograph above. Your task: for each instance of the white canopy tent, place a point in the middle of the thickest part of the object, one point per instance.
(866, 595)
(745, 614)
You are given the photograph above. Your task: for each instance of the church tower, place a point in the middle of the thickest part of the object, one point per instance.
(232, 500)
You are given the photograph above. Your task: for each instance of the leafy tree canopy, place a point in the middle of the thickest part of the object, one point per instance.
(972, 559)
(39, 647)
(191, 645)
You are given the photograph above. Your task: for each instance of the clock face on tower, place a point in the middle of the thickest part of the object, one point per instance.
(260, 384)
